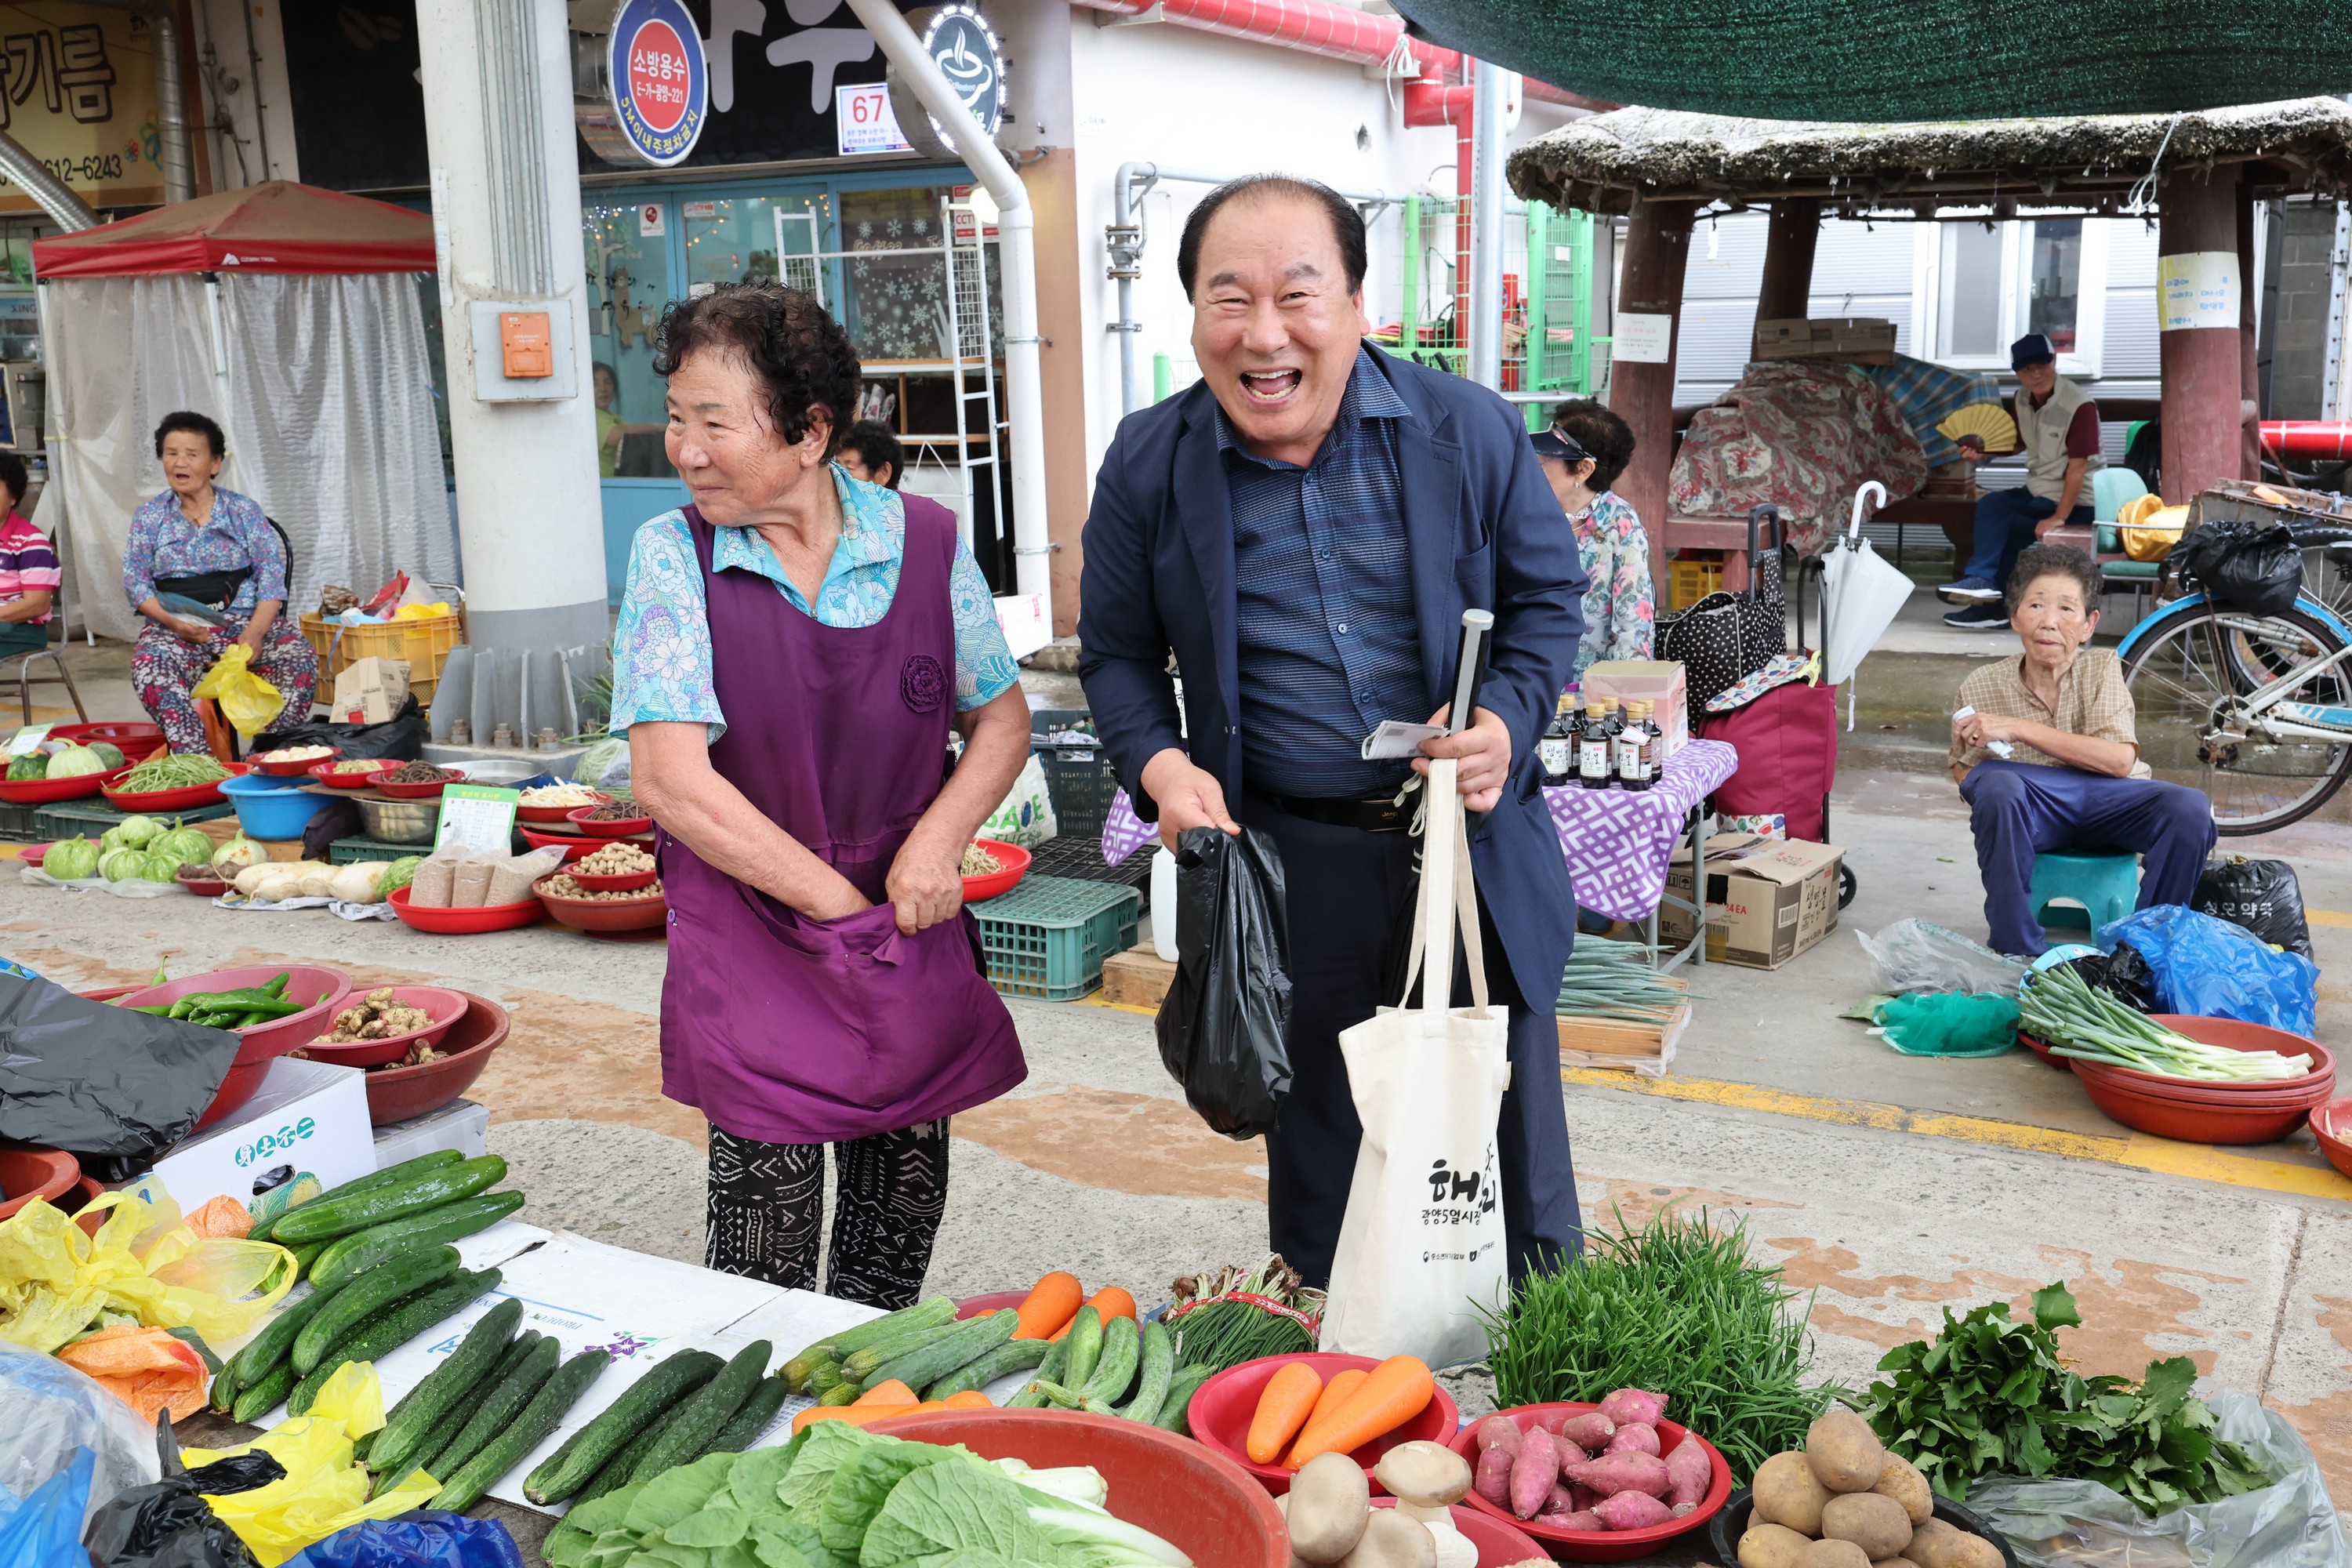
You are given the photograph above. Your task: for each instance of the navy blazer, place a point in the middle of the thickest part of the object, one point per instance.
(1485, 531)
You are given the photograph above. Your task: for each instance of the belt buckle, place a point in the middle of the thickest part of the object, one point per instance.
(1384, 817)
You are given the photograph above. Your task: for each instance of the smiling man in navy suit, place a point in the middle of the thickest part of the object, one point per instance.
(1302, 530)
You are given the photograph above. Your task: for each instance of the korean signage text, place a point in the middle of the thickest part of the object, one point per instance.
(77, 91)
(863, 122)
(661, 83)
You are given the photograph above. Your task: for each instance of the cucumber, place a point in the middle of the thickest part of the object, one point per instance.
(840, 1393)
(1057, 1357)
(688, 1430)
(258, 1399)
(934, 1359)
(304, 1257)
(1159, 1368)
(222, 1395)
(546, 1410)
(1014, 1356)
(1174, 1409)
(1114, 1373)
(268, 1347)
(392, 1328)
(403, 1435)
(443, 1430)
(348, 1255)
(620, 1467)
(745, 1425)
(1086, 1337)
(824, 1375)
(931, 1313)
(518, 1381)
(665, 1383)
(389, 1177)
(428, 1458)
(323, 1219)
(859, 1364)
(368, 1295)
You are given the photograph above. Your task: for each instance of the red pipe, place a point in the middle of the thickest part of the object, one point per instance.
(2325, 440)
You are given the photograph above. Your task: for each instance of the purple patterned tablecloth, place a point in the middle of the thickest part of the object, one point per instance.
(1616, 841)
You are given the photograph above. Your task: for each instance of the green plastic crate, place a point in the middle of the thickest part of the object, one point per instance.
(92, 816)
(351, 851)
(1048, 937)
(17, 822)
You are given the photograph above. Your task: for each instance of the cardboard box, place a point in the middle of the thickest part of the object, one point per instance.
(369, 690)
(1767, 900)
(1658, 680)
(462, 1126)
(307, 1121)
(1856, 340)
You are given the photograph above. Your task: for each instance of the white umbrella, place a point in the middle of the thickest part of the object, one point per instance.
(1861, 596)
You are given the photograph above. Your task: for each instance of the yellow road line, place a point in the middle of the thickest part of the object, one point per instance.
(2327, 917)
(1097, 999)
(2138, 1150)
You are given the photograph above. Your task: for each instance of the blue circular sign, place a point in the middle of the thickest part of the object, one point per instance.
(661, 81)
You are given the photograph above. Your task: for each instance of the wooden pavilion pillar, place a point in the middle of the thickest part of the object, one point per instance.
(1649, 283)
(1790, 239)
(2202, 366)
(2250, 375)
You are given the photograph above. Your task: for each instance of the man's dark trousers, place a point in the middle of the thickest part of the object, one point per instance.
(2018, 810)
(2004, 527)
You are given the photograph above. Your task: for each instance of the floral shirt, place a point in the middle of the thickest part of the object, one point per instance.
(1619, 604)
(164, 543)
(661, 643)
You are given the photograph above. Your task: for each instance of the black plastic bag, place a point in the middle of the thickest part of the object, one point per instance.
(2122, 974)
(337, 819)
(1224, 1029)
(2260, 895)
(114, 1088)
(2251, 566)
(168, 1524)
(402, 736)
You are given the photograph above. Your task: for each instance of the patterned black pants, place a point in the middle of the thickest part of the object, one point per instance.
(767, 1200)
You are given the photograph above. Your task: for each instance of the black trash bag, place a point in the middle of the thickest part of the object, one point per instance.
(115, 1088)
(402, 736)
(2249, 566)
(168, 1524)
(2122, 974)
(1224, 1029)
(2260, 895)
(337, 819)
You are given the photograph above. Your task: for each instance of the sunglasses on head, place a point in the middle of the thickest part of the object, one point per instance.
(1572, 449)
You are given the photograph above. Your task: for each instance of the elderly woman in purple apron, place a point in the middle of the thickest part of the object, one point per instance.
(792, 651)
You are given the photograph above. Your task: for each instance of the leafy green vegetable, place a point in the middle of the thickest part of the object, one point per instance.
(1993, 1395)
(675, 1494)
(861, 1487)
(825, 1448)
(956, 1508)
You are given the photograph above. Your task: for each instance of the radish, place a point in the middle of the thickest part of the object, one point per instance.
(1630, 1404)
(1689, 1472)
(1535, 1470)
(1590, 1431)
(1493, 1480)
(1620, 1473)
(1498, 1432)
(1634, 1510)
(1584, 1518)
(1635, 1436)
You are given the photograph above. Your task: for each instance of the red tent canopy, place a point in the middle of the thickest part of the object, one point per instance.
(279, 227)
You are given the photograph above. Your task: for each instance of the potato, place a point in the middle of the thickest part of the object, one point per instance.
(1833, 1554)
(1773, 1546)
(1876, 1524)
(1936, 1545)
(1844, 1454)
(1895, 1562)
(1902, 1482)
(1973, 1552)
(1788, 1494)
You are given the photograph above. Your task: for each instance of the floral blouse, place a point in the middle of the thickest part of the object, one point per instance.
(1620, 603)
(164, 543)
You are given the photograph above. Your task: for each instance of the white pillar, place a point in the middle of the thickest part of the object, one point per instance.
(505, 213)
(1487, 225)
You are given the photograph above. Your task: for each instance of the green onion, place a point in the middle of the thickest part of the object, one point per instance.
(2063, 1011)
(1606, 979)
(1214, 1327)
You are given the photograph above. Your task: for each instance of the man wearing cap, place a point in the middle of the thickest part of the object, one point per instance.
(2058, 425)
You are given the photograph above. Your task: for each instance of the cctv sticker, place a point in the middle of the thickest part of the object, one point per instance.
(271, 1144)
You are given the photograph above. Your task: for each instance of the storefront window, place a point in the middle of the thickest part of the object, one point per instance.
(735, 239)
(629, 284)
(1972, 292)
(897, 306)
(2057, 280)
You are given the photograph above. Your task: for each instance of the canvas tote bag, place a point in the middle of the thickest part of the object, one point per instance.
(1421, 1249)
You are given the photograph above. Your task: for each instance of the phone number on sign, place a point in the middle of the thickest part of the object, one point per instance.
(89, 169)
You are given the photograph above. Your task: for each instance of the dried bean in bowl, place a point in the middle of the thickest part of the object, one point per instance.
(564, 887)
(613, 860)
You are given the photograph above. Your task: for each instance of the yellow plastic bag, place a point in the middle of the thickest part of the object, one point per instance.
(323, 1491)
(145, 1265)
(247, 700)
(2151, 535)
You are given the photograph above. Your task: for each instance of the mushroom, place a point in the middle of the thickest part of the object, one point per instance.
(1392, 1540)
(1330, 1505)
(1426, 1478)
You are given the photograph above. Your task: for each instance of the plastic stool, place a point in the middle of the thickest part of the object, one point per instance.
(2106, 884)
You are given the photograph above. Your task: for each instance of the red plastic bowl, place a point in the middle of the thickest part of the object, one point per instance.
(1499, 1545)
(354, 778)
(990, 1302)
(428, 789)
(1611, 1545)
(604, 914)
(296, 769)
(163, 801)
(29, 1170)
(1220, 1409)
(619, 882)
(559, 812)
(137, 741)
(2192, 1123)
(79, 1196)
(330, 985)
(444, 1006)
(577, 845)
(2063, 1064)
(2330, 1124)
(466, 922)
(397, 1094)
(611, 828)
(2237, 1037)
(1189, 1496)
(201, 881)
(1016, 863)
(32, 855)
(49, 792)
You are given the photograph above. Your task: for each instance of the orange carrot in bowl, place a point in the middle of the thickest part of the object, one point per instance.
(857, 1416)
(892, 1392)
(1282, 1410)
(1053, 1301)
(1110, 1301)
(1398, 1390)
(969, 1399)
(1335, 1394)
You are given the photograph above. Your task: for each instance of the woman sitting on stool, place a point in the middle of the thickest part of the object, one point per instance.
(2046, 757)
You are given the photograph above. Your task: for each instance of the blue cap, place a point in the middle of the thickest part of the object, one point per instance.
(2033, 348)
(1554, 442)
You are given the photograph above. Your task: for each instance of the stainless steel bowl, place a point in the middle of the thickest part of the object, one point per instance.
(399, 821)
(494, 771)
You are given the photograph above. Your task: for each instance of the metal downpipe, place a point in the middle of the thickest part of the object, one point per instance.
(66, 210)
(172, 132)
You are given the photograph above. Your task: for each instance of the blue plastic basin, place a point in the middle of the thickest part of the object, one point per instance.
(266, 811)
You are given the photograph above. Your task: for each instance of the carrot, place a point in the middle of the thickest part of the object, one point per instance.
(1397, 1391)
(1053, 1301)
(855, 1415)
(1289, 1398)
(1335, 1394)
(890, 1393)
(1110, 1301)
(969, 1399)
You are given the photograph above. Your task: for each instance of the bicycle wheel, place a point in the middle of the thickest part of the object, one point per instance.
(2189, 684)
(2324, 581)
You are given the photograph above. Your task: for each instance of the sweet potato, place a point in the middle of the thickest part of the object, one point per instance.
(1556, 1500)
(1787, 1494)
(1632, 1405)
(1617, 1473)
(1550, 1421)
(1878, 1525)
(1843, 1453)
(1569, 1454)
(1498, 1432)
(1590, 1431)
(1584, 1518)
(1533, 1472)
(1689, 1472)
(1902, 1482)
(1773, 1546)
(1634, 1437)
(1634, 1510)
(1492, 1478)
(1587, 1499)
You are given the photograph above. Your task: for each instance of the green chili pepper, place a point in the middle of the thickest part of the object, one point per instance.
(277, 986)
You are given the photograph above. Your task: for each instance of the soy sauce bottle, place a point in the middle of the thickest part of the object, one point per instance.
(1556, 750)
(1594, 752)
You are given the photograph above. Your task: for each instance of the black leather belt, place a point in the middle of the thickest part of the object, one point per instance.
(1381, 814)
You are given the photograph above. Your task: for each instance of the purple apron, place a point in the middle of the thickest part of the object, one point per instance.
(791, 1030)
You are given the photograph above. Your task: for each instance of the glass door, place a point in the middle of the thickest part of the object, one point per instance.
(628, 261)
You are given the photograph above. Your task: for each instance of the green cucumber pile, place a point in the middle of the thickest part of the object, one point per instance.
(688, 1405)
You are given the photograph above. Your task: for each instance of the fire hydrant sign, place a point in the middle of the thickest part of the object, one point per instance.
(661, 81)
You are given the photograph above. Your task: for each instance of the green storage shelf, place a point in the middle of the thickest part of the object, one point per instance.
(90, 815)
(1048, 937)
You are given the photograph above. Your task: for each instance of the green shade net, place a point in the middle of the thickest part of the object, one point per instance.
(1949, 1024)
(1886, 61)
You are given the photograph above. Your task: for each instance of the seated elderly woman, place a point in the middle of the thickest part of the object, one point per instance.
(206, 569)
(2046, 757)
